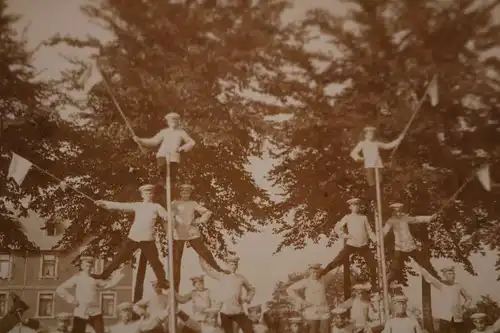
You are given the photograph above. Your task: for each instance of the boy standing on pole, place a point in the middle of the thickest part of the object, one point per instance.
(172, 141)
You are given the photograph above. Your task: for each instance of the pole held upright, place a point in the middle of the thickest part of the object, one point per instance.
(173, 320)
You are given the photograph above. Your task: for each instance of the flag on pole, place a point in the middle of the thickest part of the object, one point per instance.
(18, 168)
(432, 91)
(483, 174)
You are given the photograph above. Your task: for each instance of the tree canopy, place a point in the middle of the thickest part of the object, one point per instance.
(200, 59)
(29, 125)
(383, 55)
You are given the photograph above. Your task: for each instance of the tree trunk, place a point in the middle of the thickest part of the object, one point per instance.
(426, 289)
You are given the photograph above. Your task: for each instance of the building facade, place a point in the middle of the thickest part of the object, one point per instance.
(35, 277)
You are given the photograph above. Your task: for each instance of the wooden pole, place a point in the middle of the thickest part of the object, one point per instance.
(173, 320)
(347, 280)
(385, 287)
(379, 261)
(426, 289)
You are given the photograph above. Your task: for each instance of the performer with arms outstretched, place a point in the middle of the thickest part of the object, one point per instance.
(358, 235)
(172, 141)
(370, 148)
(142, 233)
(186, 229)
(315, 305)
(232, 298)
(404, 243)
(85, 299)
(452, 308)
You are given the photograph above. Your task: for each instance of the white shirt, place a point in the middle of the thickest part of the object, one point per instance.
(260, 328)
(315, 298)
(86, 292)
(185, 212)
(143, 227)
(451, 303)
(358, 312)
(201, 301)
(157, 305)
(403, 239)
(232, 293)
(170, 140)
(345, 329)
(357, 227)
(371, 155)
(402, 325)
(131, 327)
(210, 329)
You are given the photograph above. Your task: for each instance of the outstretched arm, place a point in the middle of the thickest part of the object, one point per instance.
(113, 281)
(188, 142)
(122, 206)
(355, 153)
(427, 276)
(183, 299)
(150, 142)
(422, 219)
(392, 144)
(466, 296)
(293, 290)
(62, 290)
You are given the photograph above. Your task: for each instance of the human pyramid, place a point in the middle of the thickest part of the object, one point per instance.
(182, 218)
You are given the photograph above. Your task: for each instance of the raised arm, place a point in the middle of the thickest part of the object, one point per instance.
(249, 288)
(370, 232)
(390, 145)
(188, 142)
(355, 153)
(330, 276)
(205, 214)
(113, 281)
(140, 305)
(422, 219)
(162, 212)
(339, 227)
(293, 290)
(427, 276)
(123, 206)
(62, 290)
(150, 142)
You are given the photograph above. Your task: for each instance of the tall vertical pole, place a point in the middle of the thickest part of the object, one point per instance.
(173, 320)
(378, 234)
(385, 286)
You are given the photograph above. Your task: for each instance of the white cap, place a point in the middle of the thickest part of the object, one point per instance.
(370, 129)
(396, 205)
(353, 201)
(147, 188)
(478, 315)
(235, 259)
(339, 311)
(172, 115)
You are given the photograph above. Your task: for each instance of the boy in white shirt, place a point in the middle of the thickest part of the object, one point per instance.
(232, 297)
(172, 141)
(359, 305)
(400, 322)
(255, 315)
(357, 237)
(85, 299)
(314, 306)
(125, 324)
(405, 244)
(479, 321)
(201, 298)
(188, 216)
(142, 233)
(296, 325)
(451, 307)
(340, 322)
(210, 324)
(371, 155)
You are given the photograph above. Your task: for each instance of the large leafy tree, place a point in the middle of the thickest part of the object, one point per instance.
(29, 125)
(384, 53)
(198, 58)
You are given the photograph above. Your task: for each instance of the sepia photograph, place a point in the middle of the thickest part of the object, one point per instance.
(249, 166)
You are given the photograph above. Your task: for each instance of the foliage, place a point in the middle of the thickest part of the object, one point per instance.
(29, 125)
(487, 306)
(200, 59)
(383, 54)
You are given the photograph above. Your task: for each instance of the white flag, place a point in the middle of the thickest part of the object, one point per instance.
(483, 174)
(18, 169)
(432, 91)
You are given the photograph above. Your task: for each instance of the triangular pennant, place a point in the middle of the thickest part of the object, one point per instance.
(483, 174)
(432, 91)
(18, 168)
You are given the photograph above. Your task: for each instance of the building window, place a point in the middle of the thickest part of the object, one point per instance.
(108, 304)
(51, 228)
(4, 304)
(48, 267)
(45, 305)
(5, 266)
